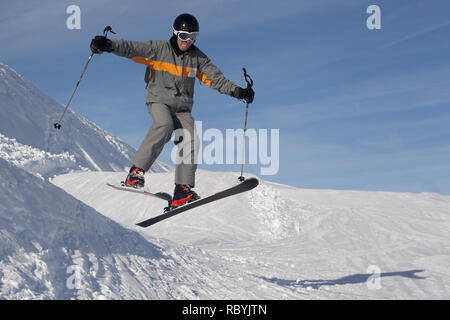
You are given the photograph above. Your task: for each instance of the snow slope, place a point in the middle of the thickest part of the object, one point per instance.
(289, 243)
(53, 246)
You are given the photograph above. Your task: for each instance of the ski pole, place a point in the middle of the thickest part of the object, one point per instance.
(249, 81)
(57, 125)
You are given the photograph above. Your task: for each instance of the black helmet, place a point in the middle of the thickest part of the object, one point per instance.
(186, 22)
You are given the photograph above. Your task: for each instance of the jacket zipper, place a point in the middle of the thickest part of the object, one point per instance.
(182, 66)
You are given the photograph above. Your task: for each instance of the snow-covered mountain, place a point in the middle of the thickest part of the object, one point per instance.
(27, 115)
(72, 237)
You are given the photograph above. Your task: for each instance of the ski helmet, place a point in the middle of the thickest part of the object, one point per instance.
(186, 22)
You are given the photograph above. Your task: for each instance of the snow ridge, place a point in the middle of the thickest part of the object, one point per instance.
(37, 162)
(271, 211)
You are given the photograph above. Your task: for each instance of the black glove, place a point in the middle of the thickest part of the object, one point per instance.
(100, 44)
(247, 94)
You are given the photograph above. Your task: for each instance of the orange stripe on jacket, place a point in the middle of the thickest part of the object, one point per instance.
(203, 78)
(171, 68)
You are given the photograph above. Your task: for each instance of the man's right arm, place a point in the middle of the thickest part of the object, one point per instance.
(123, 48)
(132, 49)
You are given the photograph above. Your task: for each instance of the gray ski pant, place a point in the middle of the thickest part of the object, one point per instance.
(165, 123)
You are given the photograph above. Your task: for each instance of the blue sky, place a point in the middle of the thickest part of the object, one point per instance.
(356, 108)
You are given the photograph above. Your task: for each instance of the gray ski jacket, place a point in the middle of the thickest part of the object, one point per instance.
(172, 74)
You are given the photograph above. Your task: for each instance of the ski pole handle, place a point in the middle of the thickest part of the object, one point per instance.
(106, 30)
(248, 79)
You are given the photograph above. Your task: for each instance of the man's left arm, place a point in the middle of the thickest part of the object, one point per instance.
(211, 75)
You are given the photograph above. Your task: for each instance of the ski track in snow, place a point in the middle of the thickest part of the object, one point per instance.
(88, 158)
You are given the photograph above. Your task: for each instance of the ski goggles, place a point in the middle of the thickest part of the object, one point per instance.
(185, 36)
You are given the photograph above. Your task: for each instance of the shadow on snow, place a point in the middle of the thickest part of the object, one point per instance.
(351, 279)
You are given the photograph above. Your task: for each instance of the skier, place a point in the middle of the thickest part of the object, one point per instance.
(172, 66)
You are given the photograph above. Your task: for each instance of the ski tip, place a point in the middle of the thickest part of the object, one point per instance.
(251, 182)
(146, 223)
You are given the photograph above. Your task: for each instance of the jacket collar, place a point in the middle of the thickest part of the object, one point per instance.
(176, 49)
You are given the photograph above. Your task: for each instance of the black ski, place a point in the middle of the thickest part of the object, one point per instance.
(160, 195)
(242, 187)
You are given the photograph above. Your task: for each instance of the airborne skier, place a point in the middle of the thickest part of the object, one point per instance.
(172, 66)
